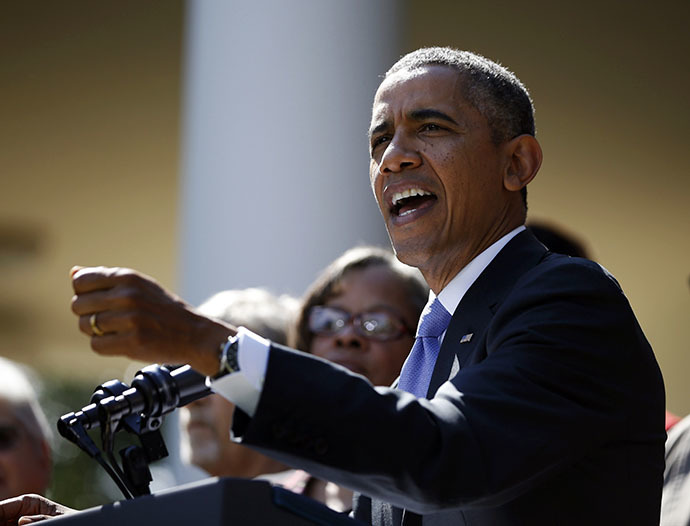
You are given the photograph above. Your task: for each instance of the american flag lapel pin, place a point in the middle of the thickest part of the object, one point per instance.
(466, 337)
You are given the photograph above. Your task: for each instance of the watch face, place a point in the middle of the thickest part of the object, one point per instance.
(231, 363)
(228, 358)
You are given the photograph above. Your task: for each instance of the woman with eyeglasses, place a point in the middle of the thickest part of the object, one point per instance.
(361, 313)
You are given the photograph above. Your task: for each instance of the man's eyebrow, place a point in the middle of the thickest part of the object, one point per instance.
(416, 115)
(379, 128)
(428, 113)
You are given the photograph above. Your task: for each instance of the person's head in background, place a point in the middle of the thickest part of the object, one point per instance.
(25, 454)
(206, 422)
(556, 239)
(362, 313)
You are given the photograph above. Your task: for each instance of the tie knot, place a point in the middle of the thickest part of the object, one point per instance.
(434, 320)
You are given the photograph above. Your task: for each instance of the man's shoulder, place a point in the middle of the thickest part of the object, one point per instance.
(560, 271)
(576, 304)
(526, 265)
(564, 287)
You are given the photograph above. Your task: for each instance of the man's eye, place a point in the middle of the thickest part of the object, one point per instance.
(378, 141)
(430, 126)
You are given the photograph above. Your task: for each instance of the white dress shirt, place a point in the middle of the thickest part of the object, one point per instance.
(452, 294)
(243, 388)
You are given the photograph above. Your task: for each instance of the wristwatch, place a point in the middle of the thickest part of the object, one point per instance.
(228, 357)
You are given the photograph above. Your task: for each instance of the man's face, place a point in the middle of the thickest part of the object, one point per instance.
(436, 174)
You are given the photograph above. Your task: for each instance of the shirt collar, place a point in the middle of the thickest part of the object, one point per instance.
(452, 294)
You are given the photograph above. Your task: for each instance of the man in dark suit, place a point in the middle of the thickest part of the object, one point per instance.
(544, 405)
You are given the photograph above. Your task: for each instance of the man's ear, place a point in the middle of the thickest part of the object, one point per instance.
(524, 160)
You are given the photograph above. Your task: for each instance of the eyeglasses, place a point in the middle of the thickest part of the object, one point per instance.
(376, 325)
(9, 436)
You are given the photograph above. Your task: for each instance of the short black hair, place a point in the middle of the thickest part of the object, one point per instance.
(491, 88)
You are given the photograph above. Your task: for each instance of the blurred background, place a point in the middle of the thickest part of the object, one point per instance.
(222, 144)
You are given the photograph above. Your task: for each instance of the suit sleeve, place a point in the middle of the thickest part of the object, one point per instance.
(566, 368)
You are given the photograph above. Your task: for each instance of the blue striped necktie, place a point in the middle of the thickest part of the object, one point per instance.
(419, 366)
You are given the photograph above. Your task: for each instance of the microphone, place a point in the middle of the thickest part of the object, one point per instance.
(156, 390)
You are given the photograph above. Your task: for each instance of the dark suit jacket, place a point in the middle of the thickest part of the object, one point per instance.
(552, 413)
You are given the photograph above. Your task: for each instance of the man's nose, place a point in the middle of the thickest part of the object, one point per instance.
(400, 154)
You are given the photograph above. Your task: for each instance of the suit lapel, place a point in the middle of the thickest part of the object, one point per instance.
(467, 329)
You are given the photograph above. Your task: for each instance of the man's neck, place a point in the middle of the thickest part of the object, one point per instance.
(455, 290)
(444, 267)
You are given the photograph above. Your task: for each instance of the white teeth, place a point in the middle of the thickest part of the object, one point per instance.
(410, 192)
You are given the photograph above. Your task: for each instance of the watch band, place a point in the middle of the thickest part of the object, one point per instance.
(228, 357)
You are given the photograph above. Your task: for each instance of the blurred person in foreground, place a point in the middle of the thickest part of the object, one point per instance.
(25, 453)
(205, 423)
(361, 312)
(675, 501)
(530, 395)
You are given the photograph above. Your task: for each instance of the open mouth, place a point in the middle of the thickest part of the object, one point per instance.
(407, 201)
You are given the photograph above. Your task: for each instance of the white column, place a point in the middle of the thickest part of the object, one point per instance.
(275, 162)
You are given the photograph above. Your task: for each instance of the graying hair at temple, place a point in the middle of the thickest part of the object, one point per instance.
(18, 390)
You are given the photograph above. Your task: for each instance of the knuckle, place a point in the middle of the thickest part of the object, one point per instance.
(127, 276)
(29, 499)
(130, 297)
(114, 271)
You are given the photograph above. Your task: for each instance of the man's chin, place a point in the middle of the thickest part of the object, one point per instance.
(409, 251)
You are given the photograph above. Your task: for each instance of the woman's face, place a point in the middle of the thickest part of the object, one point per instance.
(372, 289)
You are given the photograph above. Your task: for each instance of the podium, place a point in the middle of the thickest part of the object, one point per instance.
(213, 501)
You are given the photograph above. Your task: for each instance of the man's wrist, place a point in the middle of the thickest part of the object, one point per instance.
(244, 388)
(204, 344)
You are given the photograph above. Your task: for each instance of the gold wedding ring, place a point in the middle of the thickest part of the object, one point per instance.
(94, 326)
